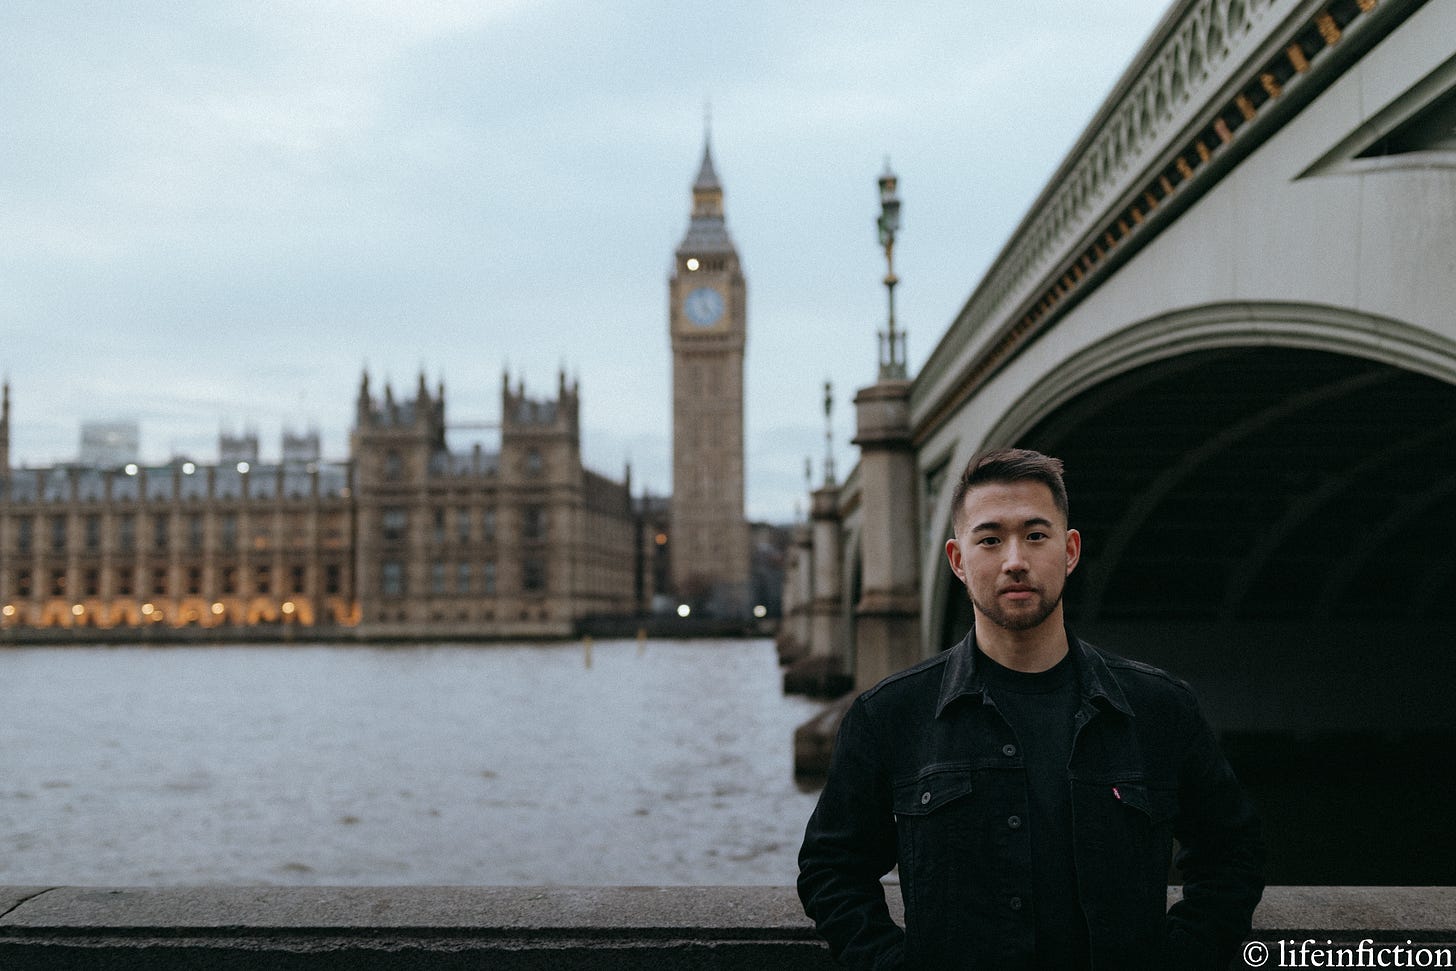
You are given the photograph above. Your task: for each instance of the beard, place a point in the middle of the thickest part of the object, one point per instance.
(1033, 615)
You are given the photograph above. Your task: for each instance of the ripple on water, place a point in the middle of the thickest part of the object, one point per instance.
(462, 765)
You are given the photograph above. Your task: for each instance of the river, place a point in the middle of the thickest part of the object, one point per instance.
(664, 763)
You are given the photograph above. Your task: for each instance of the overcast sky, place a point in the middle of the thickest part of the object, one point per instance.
(216, 215)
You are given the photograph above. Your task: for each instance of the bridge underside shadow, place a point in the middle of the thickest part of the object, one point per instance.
(1278, 526)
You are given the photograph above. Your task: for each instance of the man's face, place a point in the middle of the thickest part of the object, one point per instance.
(1014, 552)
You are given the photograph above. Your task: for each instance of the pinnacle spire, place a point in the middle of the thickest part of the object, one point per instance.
(706, 231)
(707, 177)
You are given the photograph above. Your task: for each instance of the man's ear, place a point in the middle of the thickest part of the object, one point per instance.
(1074, 550)
(953, 553)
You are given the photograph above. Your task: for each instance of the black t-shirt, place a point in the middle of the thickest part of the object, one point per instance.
(1040, 709)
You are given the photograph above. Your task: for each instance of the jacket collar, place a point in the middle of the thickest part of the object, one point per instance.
(1095, 681)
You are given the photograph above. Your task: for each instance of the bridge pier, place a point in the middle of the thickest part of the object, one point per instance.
(794, 631)
(887, 617)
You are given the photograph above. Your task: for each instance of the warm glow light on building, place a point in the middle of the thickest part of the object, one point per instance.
(683, 610)
(77, 610)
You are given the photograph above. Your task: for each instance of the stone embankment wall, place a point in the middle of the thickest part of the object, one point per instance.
(518, 928)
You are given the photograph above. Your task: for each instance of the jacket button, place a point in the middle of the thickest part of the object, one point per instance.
(925, 798)
(1008, 750)
(1015, 903)
(1014, 822)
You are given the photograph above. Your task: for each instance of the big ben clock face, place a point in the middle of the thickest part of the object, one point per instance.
(704, 306)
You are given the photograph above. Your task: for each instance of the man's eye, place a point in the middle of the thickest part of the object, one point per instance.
(988, 541)
(1036, 535)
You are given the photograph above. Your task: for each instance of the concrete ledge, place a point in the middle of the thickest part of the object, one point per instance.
(534, 927)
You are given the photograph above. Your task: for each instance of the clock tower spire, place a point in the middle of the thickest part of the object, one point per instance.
(707, 302)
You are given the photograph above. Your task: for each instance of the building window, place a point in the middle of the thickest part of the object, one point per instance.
(24, 534)
(488, 525)
(462, 525)
(159, 533)
(533, 462)
(533, 523)
(533, 575)
(263, 579)
(393, 466)
(159, 582)
(230, 579)
(58, 532)
(92, 582)
(393, 524)
(124, 581)
(437, 577)
(58, 583)
(93, 533)
(126, 533)
(439, 533)
(23, 583)
(230, 531)
(391, 578)
(194, 532)
(333, 578)
(297, 576)
(462, 578)
(194, 579)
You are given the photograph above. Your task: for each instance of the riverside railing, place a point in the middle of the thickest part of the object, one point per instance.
(517, 928)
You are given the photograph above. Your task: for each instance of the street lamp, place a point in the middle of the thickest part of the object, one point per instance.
(892, 342)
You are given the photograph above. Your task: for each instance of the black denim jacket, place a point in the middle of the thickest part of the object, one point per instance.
(926, 774)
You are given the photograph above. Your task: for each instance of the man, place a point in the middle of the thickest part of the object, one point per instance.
(1028, 785)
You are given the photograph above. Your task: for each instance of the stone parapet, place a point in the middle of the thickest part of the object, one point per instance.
(495, 928)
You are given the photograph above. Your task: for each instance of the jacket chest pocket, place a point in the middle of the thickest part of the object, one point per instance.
(931, 791)
(1157, 807)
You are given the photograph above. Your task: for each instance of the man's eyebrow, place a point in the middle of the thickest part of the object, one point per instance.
(993, 526)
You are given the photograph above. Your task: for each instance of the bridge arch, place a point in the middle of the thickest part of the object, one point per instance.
(1318, 365)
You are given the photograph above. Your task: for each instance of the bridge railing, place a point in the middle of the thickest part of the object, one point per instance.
(495, 928)
(1215, 78)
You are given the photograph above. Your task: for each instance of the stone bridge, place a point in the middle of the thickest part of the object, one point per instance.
(1232, 312)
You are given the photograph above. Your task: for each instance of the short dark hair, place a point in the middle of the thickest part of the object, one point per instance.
(1010, 465)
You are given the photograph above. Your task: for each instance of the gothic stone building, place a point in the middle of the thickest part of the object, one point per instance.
(406, 538)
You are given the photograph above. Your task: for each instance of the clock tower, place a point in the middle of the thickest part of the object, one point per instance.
(708, 324)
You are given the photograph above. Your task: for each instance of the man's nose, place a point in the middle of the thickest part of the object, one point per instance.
(1015, 561)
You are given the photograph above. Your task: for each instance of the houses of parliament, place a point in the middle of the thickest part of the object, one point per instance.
(405, 537)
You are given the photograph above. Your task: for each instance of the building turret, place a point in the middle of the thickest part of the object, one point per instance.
(5, 429)
(361, 408)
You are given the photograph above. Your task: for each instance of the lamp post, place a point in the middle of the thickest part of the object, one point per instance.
(892, 342)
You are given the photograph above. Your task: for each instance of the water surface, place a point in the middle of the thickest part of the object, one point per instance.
(665, 764)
